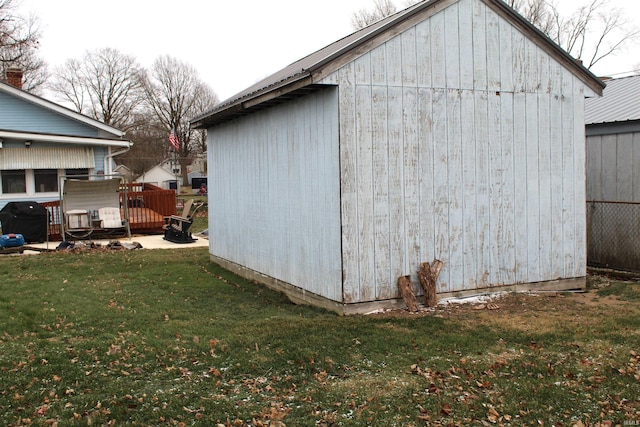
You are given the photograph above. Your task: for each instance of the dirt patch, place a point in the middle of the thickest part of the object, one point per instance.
(530, 310)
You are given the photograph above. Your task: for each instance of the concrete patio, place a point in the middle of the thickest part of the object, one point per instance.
(154, 241)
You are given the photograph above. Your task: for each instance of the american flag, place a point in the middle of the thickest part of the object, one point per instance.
(173, 139)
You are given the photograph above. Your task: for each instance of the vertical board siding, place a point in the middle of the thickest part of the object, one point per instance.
(351, 280)
(635, 171)
(382, 250)
(533, 190)
(613, 171)
(580, 160)
(479, 46)
(462, 140)
(396, 191)
(595, 168)
(411, 178)
(545, 172)
(426, 181)
(465, 36)
(520, 187)
(508, 261)
(469, 191)
(568, 176)
(365, 194)
(441, 189)
(482, 247)
(496, 220)
(455, 187)
(274, 203)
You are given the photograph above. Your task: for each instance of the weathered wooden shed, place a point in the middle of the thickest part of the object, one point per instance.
(613, 175)
(453, 129)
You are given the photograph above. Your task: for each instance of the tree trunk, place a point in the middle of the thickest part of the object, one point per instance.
(428, 275)
(404, 284)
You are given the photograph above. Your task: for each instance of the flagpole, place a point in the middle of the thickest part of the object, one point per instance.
(175, 142)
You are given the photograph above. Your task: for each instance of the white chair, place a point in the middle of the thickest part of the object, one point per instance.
(110, 218)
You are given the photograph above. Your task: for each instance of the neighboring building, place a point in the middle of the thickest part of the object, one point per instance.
(124, 172)
(613, 175)
(40, 141)
(198, 166)
(453, 129)
(163, 175)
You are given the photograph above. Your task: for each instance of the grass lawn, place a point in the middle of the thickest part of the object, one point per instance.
(164, 337)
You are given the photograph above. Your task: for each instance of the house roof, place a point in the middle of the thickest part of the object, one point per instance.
(57, 108)
(620, 102)
(299, 78)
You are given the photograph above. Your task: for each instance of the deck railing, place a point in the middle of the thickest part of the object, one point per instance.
(147, 206)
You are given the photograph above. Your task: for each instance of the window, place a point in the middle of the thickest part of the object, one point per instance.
(13, 181)
(46, 180)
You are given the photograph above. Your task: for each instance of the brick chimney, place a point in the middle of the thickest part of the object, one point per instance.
(14, 77)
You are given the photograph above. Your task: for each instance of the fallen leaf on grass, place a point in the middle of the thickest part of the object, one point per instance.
(493, 415)
(446, 409)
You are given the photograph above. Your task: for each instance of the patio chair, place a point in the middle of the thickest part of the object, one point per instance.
(176, 227)
(110, 218)
(92, 207)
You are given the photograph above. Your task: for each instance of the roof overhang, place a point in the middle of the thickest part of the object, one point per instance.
(63, 139)
(284, 91)
(612, 128)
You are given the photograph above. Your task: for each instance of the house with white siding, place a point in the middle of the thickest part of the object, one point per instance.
(452, 130)
(40, 141)
(164, 175)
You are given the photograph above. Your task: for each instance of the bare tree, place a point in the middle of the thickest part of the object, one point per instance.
(203, 103)
(364, 17)
(106, 85)
(595, 31)
(591, 33)
(18, 46)
(538, 12)
(67, 85)
(150, 146)
(176, 94)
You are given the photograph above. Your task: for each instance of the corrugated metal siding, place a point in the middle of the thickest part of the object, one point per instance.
(20, 115)
(46, 158)
(461, 140)
(620, 102)
(274, 193)
(613, 167)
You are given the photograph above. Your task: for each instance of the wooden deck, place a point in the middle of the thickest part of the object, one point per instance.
(147, 206)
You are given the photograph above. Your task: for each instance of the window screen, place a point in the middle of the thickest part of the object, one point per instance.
(13, 181)
(46, 180)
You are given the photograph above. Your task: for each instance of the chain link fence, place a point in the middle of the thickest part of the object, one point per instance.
(613, 235)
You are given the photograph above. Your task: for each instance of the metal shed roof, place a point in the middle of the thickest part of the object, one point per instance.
(297, 78)
(620, 102)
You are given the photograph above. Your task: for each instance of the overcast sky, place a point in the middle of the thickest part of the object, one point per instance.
(232, 44)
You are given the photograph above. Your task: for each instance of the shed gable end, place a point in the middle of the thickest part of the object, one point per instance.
(460, 139)
(467, 45)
